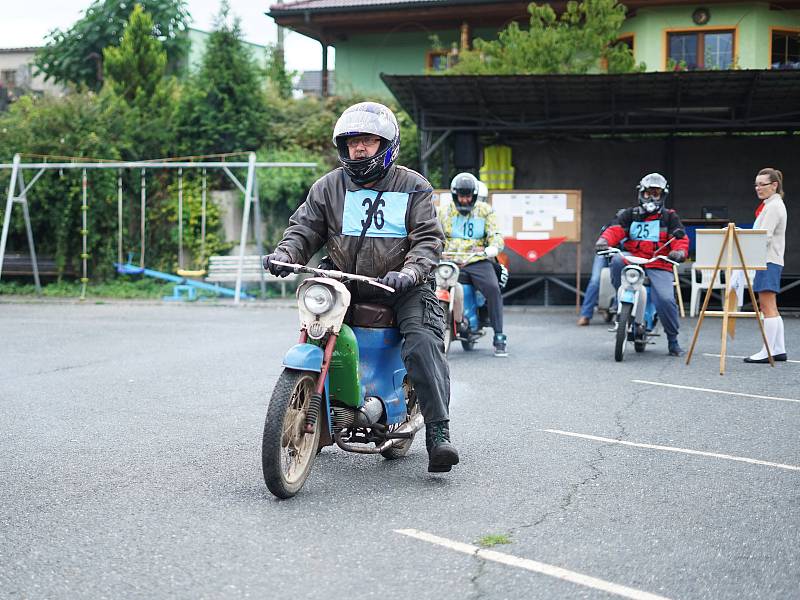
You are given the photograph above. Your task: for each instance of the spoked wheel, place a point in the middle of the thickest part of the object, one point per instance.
(622, 331)
(287, 453)
(401, 447)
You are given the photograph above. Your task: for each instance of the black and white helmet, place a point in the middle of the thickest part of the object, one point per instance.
(651, 201)
(367, 118)
(464, 184)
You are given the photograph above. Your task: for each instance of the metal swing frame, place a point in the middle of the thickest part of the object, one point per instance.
(18, 194)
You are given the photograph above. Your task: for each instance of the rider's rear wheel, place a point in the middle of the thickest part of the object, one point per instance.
(622, 331)
(468, 345)
(287, 452)
(401, 447)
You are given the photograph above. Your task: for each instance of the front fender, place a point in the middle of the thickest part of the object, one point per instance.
(308, 357)
(304, 357)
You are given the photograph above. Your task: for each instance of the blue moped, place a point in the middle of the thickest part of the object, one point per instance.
(343, 383)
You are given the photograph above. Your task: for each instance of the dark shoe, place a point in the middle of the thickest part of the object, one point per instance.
(442, 455)
(500, 345)
(583, 321)
(674, 349)
(765, 360)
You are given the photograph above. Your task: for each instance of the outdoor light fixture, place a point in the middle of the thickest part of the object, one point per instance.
(701, 16)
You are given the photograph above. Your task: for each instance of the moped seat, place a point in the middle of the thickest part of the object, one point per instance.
(378, 316)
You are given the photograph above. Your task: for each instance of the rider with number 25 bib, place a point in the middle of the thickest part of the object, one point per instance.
(377, 219)
(646, 229)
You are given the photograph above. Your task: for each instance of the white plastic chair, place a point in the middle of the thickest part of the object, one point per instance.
(702, 284)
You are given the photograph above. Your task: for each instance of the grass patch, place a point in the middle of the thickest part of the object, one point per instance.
(494, 539)
(124, 288)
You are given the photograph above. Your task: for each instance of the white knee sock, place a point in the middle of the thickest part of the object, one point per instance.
(778, 345)
(771, 327)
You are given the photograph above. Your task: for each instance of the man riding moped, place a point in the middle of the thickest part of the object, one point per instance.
(650, 229)
(377, 220)
(470, 226)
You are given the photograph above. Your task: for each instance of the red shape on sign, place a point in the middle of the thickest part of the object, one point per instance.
(533, 250)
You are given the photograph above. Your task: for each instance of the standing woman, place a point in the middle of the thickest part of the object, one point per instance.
(770, 215)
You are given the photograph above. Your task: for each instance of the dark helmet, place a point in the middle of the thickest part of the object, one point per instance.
(367, 118)
(649, 203)
(464, 184)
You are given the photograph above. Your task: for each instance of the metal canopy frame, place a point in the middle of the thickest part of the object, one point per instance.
(627, 104)
(249, 189)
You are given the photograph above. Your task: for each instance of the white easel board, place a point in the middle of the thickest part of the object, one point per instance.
(753, 243)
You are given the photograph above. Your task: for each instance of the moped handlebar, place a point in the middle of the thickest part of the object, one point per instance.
(338, 275)
(636, 260)
(469, 256)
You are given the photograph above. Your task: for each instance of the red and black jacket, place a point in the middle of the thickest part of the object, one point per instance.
(645, 233)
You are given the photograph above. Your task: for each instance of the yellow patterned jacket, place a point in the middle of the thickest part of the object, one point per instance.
(470, 233)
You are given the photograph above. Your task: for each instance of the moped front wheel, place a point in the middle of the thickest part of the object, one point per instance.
(287, 452)
(622, 331)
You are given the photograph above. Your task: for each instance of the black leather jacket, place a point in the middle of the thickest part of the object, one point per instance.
(404, 231)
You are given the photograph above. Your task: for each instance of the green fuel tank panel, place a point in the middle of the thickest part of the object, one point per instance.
(343, 379)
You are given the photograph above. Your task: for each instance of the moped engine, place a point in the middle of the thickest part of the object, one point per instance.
(366, 415)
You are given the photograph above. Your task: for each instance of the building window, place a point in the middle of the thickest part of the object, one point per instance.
(627, 40)
(700, 50)
(785, 50)
(9, 78)
(436, 60)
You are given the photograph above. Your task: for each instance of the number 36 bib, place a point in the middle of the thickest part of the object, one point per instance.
(388, 216)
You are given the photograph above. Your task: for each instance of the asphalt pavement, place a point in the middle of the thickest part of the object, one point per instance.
(130, 467)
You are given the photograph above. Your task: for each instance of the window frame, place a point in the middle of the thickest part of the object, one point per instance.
(701, 32)
(430, 54)
(772, 31)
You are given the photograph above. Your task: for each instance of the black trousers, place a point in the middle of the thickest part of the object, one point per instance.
(421, 321)
(484, 278)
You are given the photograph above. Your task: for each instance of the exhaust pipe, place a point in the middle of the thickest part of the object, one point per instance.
(412, 426)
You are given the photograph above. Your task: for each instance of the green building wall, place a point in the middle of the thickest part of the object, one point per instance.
(752, 23)
(361, 58)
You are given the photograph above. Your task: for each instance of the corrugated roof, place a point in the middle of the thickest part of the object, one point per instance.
(690, 101)
(301, 5)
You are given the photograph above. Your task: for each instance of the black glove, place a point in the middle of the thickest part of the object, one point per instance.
(677, 255)
(278, 270)
(398, 280)
(327, 264)
(601, 245)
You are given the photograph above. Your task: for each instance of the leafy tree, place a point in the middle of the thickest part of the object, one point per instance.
(76, 55)
(278, 78)
(581, 39)
(136, 67)
(222, 109)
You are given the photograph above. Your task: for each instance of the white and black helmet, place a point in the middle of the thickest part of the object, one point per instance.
(483, 192)
(649, 203)
(464, 184)
(367, 118)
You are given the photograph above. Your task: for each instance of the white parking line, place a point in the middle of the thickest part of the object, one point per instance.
(699, 389)
(734, 356)
(532, 565)
(752, 461)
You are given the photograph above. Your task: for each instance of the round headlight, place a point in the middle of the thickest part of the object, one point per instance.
(445, 271)
(318, 299)
(632, 276)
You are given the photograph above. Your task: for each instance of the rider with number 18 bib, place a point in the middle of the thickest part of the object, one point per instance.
(651, 229)
(377, 219)
(470, 225)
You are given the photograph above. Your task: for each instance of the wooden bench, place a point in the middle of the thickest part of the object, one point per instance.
(21, 264)
(225, 268)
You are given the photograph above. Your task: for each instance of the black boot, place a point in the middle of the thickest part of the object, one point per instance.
(442, 455)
